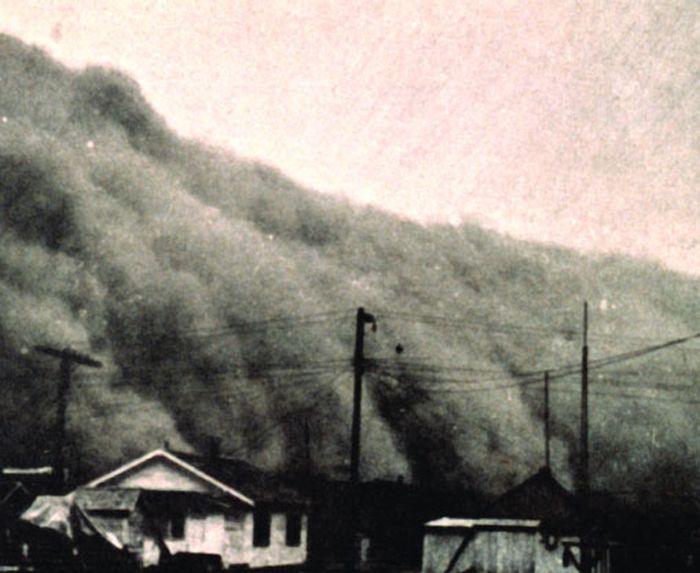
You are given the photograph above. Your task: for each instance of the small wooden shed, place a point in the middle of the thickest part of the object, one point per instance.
(490, 545)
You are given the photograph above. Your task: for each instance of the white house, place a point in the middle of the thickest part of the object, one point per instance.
(165, 503)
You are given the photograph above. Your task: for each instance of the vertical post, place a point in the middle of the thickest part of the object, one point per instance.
(584, 477)
(359, 368)
(362, 319)
(68, 358)
(583, 469)
(307, 448)
(59, 463)
(547, 456)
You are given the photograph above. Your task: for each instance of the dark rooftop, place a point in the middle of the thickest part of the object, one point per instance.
(540, 497)
(260, 485)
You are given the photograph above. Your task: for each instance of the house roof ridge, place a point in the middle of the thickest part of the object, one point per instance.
(543, 472)
(174, 458)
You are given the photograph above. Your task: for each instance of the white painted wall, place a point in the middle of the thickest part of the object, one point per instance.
(503, 551)
(203, 534)
(278, 553)
(238, 545)
(232, 539)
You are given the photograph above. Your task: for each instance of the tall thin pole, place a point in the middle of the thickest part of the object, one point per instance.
(68, 359)
(547, 435)
(59, 464)
(307, 448)
(584, 486)
(362, 319)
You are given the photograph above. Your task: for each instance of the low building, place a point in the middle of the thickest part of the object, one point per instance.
(543, 498)
(453, 545)
(381, 520)
(533, 528)
(167, 503)
(23, 547)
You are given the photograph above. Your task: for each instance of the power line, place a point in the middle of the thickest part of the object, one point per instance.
(564, 371)
(621, 395)
(235, 369)
(264, 325)
(250, 327)
(114, 406)
(486, 325)
(268, 385)
(473, 386)
(510, 328)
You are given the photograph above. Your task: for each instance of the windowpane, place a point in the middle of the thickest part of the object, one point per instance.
(177, 526)
(293, 533)
(261, 529)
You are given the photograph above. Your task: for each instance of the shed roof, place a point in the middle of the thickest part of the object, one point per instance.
(483, 523)
(540, 497)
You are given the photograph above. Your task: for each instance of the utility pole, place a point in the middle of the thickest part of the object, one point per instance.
(584, 484)
(68, 358)
(358, 361)
(584, 476)
(547, 457)
(307, 449)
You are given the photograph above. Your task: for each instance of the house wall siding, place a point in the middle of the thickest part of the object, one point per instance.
(229, 535)
(232, 539)
(278, 553)
(502, 551)
(203, 534)
(238, 543)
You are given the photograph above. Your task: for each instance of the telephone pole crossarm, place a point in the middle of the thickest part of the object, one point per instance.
(70, 355)
(69, 358)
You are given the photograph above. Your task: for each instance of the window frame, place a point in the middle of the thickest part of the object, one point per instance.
(292, 535)
(262, 528)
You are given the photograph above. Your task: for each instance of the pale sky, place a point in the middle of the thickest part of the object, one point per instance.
(554, 120)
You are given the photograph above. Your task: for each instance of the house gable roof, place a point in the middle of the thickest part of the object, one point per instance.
(541, 497)
(176, 461)
(263, 486)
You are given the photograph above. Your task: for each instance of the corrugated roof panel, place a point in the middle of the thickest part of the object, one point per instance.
(484, 523)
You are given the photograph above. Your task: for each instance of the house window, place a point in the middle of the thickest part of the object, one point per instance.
(261, 529)
(293, 533)
(177, 526)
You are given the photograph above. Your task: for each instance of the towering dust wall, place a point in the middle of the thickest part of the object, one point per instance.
(166, 260)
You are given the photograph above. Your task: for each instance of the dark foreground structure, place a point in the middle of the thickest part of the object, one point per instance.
(172, 512)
